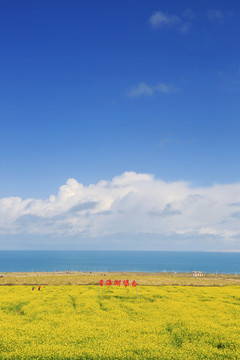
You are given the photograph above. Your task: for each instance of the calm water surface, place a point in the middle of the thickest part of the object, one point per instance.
(143, 261)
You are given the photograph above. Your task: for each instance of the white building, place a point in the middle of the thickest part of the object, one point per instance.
(197, 273)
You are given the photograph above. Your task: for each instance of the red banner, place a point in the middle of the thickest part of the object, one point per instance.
(109, 282)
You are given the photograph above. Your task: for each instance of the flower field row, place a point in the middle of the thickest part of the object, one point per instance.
(72, 322)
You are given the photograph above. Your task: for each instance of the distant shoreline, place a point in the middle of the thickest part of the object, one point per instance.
(69, 272)
(75, 272)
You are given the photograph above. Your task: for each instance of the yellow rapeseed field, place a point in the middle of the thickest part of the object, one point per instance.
(72, 322)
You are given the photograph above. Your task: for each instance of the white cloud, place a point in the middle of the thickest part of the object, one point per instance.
(140, 89)
(169, 139)
(230, 81)
(215, 15)
(159, 19)
(188, 14)
(185, 27)
(219, 15)
(164, 88)
(145, 89)
(132, 205)
(184, 21)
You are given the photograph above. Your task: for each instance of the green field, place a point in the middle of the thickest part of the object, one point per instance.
(72, 322)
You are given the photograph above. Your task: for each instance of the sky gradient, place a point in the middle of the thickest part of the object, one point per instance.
(142, 91)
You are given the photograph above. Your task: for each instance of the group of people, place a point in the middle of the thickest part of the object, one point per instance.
(39, 288)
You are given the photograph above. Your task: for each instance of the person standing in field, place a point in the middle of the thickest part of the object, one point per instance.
(39, 288)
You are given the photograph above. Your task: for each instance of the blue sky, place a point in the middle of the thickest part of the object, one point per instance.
(91, 90)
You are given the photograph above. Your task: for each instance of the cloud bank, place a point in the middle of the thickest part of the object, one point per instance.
(131, 207)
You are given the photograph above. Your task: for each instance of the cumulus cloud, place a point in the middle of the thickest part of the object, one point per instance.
(144, 89)
(132, 205)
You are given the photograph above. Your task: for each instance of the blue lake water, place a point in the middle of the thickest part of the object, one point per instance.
(107, 261)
